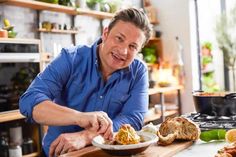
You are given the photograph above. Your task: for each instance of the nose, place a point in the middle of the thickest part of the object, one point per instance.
(123, 49)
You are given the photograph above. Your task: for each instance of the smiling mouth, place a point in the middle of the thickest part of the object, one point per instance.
(117, 57)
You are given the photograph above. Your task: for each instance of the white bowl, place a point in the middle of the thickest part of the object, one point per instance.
(130, 149)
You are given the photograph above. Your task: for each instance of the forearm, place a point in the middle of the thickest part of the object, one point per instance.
(49, 113)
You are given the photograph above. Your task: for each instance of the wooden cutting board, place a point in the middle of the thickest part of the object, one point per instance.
(152, 151)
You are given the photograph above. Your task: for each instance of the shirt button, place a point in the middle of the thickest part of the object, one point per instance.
(101, 97)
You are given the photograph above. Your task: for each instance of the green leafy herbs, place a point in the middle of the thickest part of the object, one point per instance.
(149, 54)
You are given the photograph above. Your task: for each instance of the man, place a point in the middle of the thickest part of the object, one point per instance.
(104, 78)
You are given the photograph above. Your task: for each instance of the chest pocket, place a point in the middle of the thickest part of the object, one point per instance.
(117, 101)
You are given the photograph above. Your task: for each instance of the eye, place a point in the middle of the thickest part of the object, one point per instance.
(118, 38)
(133, 47)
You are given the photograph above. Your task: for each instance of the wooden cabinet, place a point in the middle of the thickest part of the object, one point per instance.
(19, 63)
(154, 114)
(28, 130)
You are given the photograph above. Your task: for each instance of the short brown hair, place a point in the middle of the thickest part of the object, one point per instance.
(134, 16)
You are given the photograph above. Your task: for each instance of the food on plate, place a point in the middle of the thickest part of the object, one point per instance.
(127, 135)
(231, 135)
(215, 134)
(150, 128)
(228, 151)
(179, 128)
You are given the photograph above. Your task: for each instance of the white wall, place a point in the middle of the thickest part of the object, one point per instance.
(176, 19)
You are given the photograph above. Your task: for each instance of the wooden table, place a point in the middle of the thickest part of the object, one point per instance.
(152, 151)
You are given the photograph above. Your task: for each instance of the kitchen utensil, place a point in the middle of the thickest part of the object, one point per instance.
(215, 104)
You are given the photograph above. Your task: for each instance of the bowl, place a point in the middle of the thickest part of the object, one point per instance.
(124, 150)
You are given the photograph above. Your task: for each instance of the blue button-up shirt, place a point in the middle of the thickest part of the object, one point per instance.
(73, 79)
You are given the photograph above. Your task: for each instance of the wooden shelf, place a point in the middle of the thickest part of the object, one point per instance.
(154, 22)
(40, 6)
(154, 39)
(31, 155)
(56, 8)
(152, 115)
(156, 90)
(154, 65)
(19, 40)
(10, 116)
(59, 31)
(97, 14)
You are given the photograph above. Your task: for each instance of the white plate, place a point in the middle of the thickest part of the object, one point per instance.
(130, 149)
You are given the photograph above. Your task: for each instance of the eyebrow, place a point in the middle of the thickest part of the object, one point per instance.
(125, 37)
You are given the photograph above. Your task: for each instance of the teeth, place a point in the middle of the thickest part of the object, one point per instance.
(117, 57)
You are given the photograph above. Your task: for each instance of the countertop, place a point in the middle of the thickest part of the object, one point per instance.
(197, 149)
(202, 149)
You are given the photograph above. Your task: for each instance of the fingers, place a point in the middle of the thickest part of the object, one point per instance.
(60, 149)
(95, 125)
(106, 126)
(99, 122)
(104, 122)
(53, 147)
(108, 134)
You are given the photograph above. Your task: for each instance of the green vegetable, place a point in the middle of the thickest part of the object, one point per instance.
(216, 134)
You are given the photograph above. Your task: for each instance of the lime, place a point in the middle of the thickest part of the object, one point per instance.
(215, 134)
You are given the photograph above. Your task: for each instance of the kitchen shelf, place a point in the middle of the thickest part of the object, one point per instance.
(19, 40)
(154, 39)
(31, 155)
(56, 8)
(154, 22)
(59, 31)
(152, 65)
(165, 113)
(156, 90)
(97, 14)
(152, 115)
(10, 116)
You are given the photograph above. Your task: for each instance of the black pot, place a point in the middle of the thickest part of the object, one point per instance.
(215, 104)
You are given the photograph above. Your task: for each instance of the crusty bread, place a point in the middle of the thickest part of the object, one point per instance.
(177, 128)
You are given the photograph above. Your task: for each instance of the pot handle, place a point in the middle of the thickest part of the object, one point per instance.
(230, 96)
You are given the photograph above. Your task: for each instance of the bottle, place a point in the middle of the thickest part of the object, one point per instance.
(28, 146)
(3, 144)
(15, 150)
(178, 68)
(16, 134)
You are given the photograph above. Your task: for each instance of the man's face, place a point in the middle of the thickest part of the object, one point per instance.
(120, 45)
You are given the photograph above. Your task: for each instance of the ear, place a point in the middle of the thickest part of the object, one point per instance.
(105, 33)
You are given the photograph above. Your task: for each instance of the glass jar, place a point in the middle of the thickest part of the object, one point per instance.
(3, 144)
(15, 150)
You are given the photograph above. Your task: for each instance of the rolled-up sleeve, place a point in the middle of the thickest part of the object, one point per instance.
(47, 85)
(137, 105)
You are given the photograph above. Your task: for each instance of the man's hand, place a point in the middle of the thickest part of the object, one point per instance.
(70, 142)
(97, 121)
